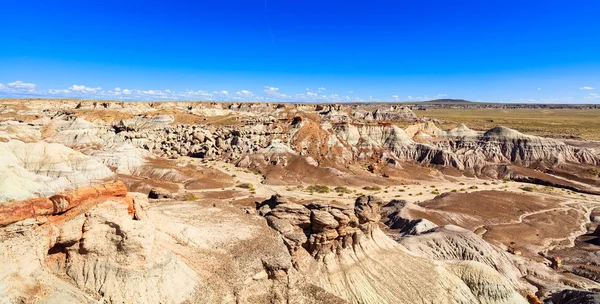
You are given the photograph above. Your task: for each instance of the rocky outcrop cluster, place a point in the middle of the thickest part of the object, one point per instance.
(320, 228)
(200, 141)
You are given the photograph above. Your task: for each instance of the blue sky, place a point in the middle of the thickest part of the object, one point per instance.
(541, 51)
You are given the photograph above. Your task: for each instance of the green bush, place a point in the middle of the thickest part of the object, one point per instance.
(190, 197)
(342, 190)
(318, 189)
(372, 188)
(528, 188)
(248, 186)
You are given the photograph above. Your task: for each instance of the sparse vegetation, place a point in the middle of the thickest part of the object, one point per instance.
(248, 186)
(318, 189)
(190, 197)
(527, 188)
(372, 188)
(541, 122)
(593, 172)
(342, 190)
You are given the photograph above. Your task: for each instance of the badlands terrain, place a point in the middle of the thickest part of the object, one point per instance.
(183, 202)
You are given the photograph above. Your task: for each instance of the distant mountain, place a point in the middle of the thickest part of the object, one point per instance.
(449, 101)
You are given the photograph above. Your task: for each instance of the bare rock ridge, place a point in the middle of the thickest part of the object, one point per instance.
(348, 255)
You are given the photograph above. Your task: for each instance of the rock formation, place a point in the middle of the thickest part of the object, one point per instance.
(346, 253)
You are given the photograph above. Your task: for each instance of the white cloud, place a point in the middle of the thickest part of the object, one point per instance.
(586, 88)
(271, 89)
(154, 93)
(55, 92)
(269, 93)
(593, 97)
(274, 93)
(84, 89)
(244, 93)
(19, 85)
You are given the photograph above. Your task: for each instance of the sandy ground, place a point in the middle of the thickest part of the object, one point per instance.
(558, 218)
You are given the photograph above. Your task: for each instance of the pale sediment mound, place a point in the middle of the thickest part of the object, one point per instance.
(428, 128)
(342, 250)
(17, 130)
(503, 132)
(450, 242)
(41, 169)
(461, 131)
(78, 132)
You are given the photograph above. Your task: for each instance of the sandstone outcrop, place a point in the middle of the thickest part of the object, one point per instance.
(343, 251)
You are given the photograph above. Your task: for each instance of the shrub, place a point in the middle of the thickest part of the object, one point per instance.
(372, 188)
(473, 187)
(528, 188)
(190, 197)
(318, 189)
(341, 190)
(248, 186)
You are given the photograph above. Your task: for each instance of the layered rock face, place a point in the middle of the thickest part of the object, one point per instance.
(331, 134)
(342, 250)
(344, 142)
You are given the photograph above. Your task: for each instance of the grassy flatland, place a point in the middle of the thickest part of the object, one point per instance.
(543, 122)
